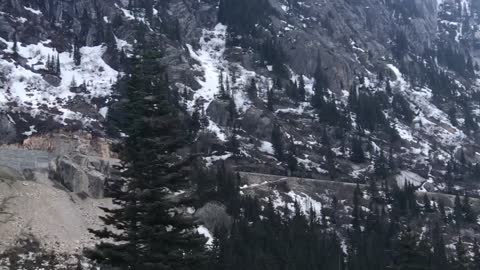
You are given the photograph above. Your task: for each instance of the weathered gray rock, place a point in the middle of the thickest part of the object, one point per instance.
(82, 174)
(218, 112)
(257, 123)
(10, 174)
(52, 79)
(8, 131)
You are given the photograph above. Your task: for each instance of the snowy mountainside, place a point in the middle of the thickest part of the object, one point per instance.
(31, 92)
(239, 72)
(323, 94)
(57, 70)
(375, 64)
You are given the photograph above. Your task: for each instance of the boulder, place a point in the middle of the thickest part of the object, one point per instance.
(10, 174)
(218, 112)
(257, 123)
(82, 174)
(53, 80)
(8, 131)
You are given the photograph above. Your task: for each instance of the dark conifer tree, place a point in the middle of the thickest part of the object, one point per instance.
(452, 116)
(381, 166)
(148, 6)
(110, 39)
(457, 210)
(301, 89)
(252, 89)
(427, 206)
(469, 214)
(277, 142)
(270, 100)
(408, 255)
(439, 256)
(232, 111)
(462, 259)
(142, 231)
(392, 166)
(388, 88)
(476, 255)
(441, 210)
(85, 24)
(469, 124)
(357, 155)
(233, 144)
(195, 122)
(15, 44)
(57, 66)
(292, 162)
(357, 210)
(77, 56)
(222, 93)
(331, 167)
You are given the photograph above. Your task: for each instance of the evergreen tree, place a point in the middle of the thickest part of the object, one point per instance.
(110, 39)
(15, 44)
(357, 210)
(441, 210)
(292, 91)
(476, 255)
(233, 144)
(292, 162)
(148, 6)
(252, 89)
(143, 231)
(301, 89)
(457, 210)
(57, 66)
(469, 123)
(73, 83)
(381, 167)
(232, 111)
(469, 214)
(439, 256)
(357, 156)
(391, 161)
(277, 142)
(222, 93)
(85, 25)
(330, 159)
(462, 260)
(388, 88)
(452, 116)
(427, 206)
(228, 90)
(408, 254)
(270, 100)
(195, 122)
(77, 56)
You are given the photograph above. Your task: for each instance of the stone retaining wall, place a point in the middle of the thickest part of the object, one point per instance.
(21, 159)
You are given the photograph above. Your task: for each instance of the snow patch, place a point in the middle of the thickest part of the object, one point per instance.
(266, 147)
(34, 11)
(202, 230)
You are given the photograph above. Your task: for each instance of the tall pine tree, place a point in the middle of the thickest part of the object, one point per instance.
(144, 230)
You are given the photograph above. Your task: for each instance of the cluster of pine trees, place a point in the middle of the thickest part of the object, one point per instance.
(268, 236)
(53, 65)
